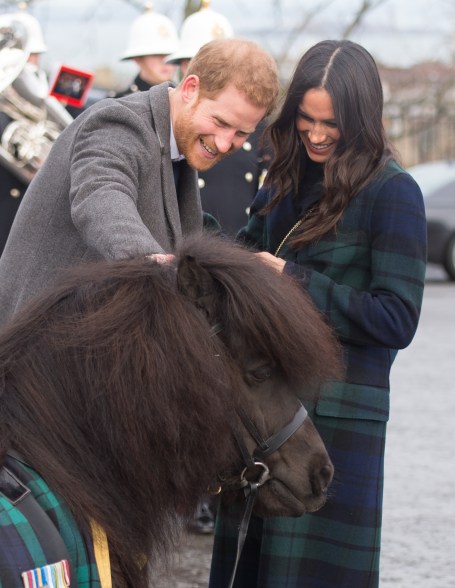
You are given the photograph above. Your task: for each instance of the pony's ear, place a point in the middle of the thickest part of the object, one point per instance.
(198, 285)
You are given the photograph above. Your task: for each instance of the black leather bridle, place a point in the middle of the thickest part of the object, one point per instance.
(254, 464)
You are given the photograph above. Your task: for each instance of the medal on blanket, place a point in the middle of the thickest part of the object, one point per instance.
(56, 575)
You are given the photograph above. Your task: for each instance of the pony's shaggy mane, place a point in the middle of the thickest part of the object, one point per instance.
(115, 364)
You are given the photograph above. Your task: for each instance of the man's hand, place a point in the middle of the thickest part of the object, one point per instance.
(161, 257)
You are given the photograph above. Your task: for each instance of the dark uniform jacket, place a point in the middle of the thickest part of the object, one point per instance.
(138, 85)
(38, 533)
(11, 191)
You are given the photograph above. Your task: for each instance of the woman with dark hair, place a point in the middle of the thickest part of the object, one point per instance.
(339, 214)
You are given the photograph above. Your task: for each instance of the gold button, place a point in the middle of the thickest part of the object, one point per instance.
(201, 183)
(249, 177)
(247, 146)
(15, 193)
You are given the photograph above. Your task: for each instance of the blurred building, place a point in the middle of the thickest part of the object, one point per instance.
(419, 112)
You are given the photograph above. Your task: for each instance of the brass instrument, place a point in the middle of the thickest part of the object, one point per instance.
(33, 120)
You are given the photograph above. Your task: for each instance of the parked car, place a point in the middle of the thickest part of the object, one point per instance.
(437, 182)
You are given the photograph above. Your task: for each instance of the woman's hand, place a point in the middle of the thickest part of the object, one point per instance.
(276, 262)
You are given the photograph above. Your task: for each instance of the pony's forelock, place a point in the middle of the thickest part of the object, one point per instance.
(277, 317)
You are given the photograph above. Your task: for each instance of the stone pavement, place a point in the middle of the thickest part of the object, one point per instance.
(191, 564)
(418, 540)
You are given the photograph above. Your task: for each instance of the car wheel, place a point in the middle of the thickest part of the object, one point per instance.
(449, 260)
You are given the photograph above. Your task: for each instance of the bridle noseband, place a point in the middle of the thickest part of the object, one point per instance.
(270, 445)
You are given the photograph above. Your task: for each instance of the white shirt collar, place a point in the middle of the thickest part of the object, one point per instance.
(175, 154)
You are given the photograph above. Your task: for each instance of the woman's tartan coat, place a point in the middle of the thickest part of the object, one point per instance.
(367, 278)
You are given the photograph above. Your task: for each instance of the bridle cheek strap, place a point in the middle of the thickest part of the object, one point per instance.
(263, 450)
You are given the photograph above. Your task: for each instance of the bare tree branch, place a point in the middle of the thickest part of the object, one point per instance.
(363, 9)
(299, 28)
(138, 4)
(189, 6)
(15, 3)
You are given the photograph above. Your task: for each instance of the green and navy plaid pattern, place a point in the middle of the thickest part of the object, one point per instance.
(20, 547)
(367, 279)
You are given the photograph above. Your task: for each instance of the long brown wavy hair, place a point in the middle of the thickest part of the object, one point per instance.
(350, 76)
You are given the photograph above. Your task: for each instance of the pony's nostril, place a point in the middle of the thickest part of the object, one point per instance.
(326, 475)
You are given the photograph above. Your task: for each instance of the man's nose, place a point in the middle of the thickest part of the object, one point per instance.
(224, 140)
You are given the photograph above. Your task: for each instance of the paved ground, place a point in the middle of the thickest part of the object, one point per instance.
(192, 564)
(419, 502)
(419, 509)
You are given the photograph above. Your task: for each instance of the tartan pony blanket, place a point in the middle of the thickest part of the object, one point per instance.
(40, 542)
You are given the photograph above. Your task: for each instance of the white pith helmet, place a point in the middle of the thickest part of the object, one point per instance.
(198, 29)
(151, 34)
(13, 49)
(35, 37)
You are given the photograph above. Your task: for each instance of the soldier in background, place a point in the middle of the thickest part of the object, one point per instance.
(30, 120)
(228, 189)
(152, 37)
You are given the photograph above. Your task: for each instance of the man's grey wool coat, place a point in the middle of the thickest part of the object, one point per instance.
(106, 191)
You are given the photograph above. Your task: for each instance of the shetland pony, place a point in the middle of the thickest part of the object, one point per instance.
(122, 387)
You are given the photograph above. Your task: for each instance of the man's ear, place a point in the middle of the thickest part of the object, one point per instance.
(189, 89)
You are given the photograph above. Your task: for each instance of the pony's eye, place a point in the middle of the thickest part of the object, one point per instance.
(259, 375)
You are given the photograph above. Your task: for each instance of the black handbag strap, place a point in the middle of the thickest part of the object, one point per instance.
(50, 539)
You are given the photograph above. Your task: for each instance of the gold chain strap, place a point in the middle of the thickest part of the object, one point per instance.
(293, 228)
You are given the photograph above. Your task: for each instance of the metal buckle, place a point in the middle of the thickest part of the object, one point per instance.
(263, 477)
